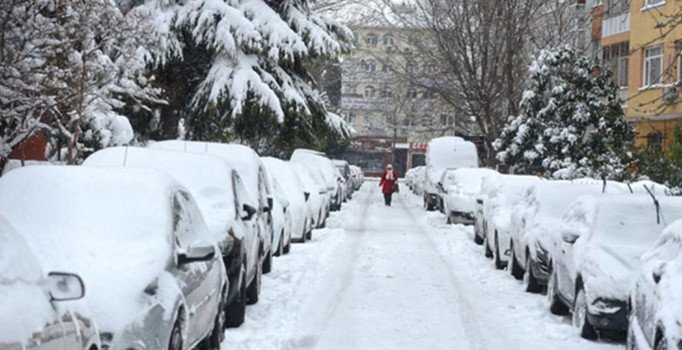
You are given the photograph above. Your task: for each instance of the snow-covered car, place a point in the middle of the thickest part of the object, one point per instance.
(154, 276)
(502, 193)
(281, 217)
(224, 203)
(596, 255)
(253, 174)
(460, 188)
(318, 198)
(358, 177)
(317, 160)
(443, 153)
(296, 194)
(416, 180)
(655, 302)
(644, 186)
(40, 311)
(344, 168)
(534, 222)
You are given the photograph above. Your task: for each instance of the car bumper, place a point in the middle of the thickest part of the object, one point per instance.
(464, 218)
(616, 321)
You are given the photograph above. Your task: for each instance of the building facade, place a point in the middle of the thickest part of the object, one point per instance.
(382, 99)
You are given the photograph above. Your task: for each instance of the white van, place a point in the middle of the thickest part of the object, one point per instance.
(443, 153)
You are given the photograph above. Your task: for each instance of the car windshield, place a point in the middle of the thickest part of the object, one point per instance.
(470, 180)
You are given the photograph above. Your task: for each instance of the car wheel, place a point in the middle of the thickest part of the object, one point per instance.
(287, 248)
(236, 311)
(267, 264)
(477, 238)
(580, 320)
(556, 306)
(449, 221)
(280, 246)
(253, 292)
(514, 267)
(496, 255)
(175, 341)
(309, 235)
(661, 343)
(218, 334)
(488, 253)
(530, 283)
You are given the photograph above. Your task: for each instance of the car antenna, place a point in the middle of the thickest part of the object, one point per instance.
(656, 203)
(630, 187)
(125, 156)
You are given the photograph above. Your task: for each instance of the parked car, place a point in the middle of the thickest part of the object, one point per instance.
(596, 255)
(655, 320)
(296, 194)
(459, 189)
(281, 217)
(319, 162)
(503, 192)
(358, 177)
(155, 279)
(40, 311)
(318, 201)
(253, 174)
(534, 223)
(416, 180)
(226, 207)
(344, 168)
(445, 153)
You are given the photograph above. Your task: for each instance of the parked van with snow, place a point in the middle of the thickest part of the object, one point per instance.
(443, 153)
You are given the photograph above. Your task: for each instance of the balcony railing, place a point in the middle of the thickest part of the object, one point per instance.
(616, 25)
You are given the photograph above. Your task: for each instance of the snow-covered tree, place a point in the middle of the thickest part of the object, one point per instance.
(570, 122)
(248, 62)
(66, 67)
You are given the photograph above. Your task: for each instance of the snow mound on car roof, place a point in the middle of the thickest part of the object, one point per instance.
(110, 226)
(452, 152)
(208, 178)
(242, 158)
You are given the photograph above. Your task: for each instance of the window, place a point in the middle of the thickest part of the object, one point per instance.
(388, 40)
(654, 141)
(616, 58)
(650, 3)
(653, 65)
(444, 120)
(369, 66)
(387, 67)
(411, 93)
(182, 210)
(369, 91)
(386, 93)
(371, 40)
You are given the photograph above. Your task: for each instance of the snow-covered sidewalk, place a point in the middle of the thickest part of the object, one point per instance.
(396, 278)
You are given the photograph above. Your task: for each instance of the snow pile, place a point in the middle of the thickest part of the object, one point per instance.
(615, 231)
(110, 226)
(209, 179)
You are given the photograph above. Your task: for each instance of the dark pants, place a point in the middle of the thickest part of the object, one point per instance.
(387, 198)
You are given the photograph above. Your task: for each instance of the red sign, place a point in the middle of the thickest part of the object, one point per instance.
(419, 146)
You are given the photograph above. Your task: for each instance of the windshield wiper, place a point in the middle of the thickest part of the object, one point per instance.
(656, 203)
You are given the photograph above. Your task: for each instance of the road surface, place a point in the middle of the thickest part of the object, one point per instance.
(397, 278)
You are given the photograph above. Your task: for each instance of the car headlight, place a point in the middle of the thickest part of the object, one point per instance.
(608, 306)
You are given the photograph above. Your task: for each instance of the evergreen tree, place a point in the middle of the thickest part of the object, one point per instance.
(570, 122)
(249, 60)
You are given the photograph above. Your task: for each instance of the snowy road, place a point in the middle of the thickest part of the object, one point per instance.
(397, 278)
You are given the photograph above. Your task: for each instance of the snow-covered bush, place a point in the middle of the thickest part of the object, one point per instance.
(571, 121)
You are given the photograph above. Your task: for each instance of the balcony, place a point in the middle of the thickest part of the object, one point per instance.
(616, 25)
(358, 102)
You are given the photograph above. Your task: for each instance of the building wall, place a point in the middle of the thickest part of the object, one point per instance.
(647, 109)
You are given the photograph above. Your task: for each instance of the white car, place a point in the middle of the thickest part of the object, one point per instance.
(597, 253)
(534, 223)
(154, 276)
(318, 199)
(502, 193)
(253, 173)
(225, 205)
(40, 311)
(358, 177)
(447, 152)
(296, 195)
(655, 320)
(281, 217)
(316, 160)
(460, 190)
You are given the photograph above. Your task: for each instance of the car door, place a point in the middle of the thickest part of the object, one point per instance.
(196, 279)
(251, 238)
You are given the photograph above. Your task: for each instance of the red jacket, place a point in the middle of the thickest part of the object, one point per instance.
(386, 184)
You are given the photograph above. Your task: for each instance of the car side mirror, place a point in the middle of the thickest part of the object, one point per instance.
(65, 286)
(271, 203)
(196, 253)
(306, 195)
(570, 237)
(249, 212)
(479, 201)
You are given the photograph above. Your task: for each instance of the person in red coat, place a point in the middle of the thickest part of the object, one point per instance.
(388, 180)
